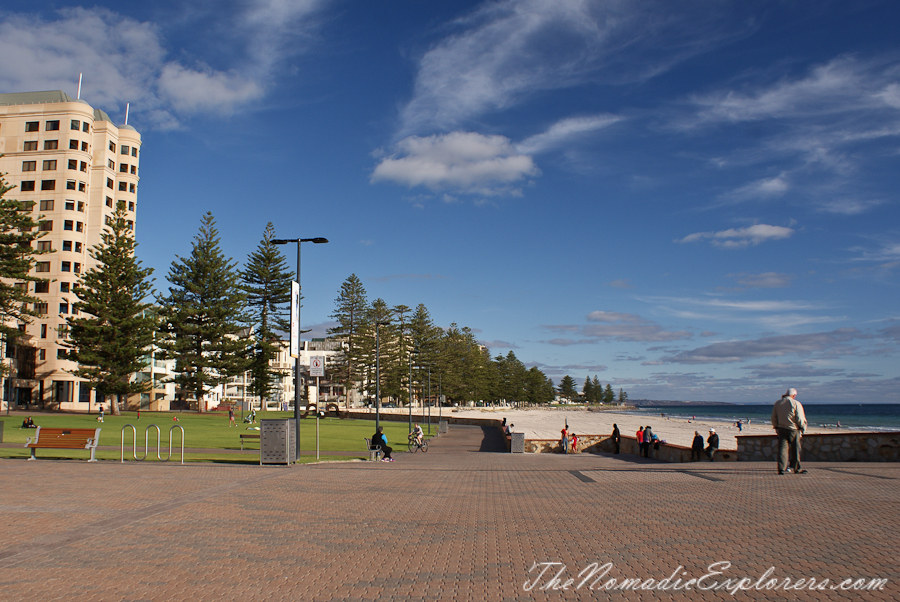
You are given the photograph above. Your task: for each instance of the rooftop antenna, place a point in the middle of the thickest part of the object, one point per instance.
(80, 75)
(127, 106)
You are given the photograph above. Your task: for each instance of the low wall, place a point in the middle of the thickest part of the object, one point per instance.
(421, 418)
(830, 447)
(593, 444)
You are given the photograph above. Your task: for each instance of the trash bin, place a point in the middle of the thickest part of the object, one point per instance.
(443, 426)
(517, 443)
(277, 441)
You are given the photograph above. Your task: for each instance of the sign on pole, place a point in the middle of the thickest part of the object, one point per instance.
(295, 320)
(317, 366)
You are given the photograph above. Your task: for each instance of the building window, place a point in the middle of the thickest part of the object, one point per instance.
(134, 170)
(52, 126)
(81, 206)
(73, 164)
(124, 150)
(51, 144)
(42, 266)
(83, 166)
(46, 206)
(123, 186)
(60, 355)
(109, 183)
(68, 224)
(32, 126)
(78, 247)
(82, 187)
(79, 227)
(85, 127)
(76, 125)
(70, 205)
(112, 146)
(49, 164)
(29, 165)
(42, 354)
(77, 268)
(64, 287)
(31, 145)
(108, 202)
(73, 144)
(47, 226)
(123, 167)
(84, 147)
(27, 186)
(111, 164)
(66, 266)
(63, 309)
(131, 188)
(134, 152)
(45, 246)
(67, 245)
(70, 184)
(42, 308)
(43, 331)
(130, 225)
(42, 286)
(131, 205)
(48, 184)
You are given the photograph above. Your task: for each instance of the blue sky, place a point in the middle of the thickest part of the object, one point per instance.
(691, 200)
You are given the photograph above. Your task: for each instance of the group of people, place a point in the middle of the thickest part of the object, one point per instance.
(712, 445)
(645, 438)
(569, 441)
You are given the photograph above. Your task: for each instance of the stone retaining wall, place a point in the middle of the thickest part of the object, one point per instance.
(592, 444)
(829, 447)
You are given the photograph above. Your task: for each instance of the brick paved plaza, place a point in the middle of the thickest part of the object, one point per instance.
(458, 523)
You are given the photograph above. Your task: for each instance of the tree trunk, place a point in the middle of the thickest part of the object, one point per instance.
(114, 406)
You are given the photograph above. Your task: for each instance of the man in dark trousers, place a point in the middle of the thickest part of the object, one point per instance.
(645, 443)
(379, 440)
(789, 421)
(696, 446)
(712, 444)
(616, 437)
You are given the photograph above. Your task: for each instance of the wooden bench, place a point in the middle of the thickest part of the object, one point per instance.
(62, 438)
(374, 454)
(248, 436)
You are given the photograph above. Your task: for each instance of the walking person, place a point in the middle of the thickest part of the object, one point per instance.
(231, 416)
(712, 445)
(616, 437)
(696, 446)
(789, 421)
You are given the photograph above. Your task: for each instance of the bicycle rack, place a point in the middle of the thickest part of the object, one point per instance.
(147, 442)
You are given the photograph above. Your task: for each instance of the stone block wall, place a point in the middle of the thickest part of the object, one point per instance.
(828, 447)
(593, 444)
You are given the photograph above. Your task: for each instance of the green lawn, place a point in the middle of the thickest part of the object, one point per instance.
(204, 431)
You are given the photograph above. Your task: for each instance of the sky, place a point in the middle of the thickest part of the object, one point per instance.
(691, 200)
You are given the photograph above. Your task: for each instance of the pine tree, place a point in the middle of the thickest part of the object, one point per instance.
(567, 387)
(623, 396)
(203, 314)
(596, 390)
(608, 394)
(266, 280)
(588, 390)
(350, 314)
(111, 330)
(18, 231)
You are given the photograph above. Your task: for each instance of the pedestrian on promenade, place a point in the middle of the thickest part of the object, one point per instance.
(696, 446)
(100, 417)
(616, 437)
(789, 421)
(564, 441)
(378, 439)
(639, 435)
(645, 445)
(231, 421)
(712, 444)
(574, 445)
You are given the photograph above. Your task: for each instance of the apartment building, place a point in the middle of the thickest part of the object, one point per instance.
(74, 165)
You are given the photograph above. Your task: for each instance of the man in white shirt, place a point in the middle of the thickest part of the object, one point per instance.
(789, 421)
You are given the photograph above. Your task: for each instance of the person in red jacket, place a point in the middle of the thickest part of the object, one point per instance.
(639, 435)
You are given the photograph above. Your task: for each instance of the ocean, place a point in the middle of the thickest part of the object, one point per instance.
(850, 416)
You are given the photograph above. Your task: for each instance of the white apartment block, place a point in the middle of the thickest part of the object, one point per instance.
(75, 165)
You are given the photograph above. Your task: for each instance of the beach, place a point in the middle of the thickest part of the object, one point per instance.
(546, 423)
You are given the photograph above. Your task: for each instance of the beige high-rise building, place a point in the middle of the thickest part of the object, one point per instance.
(75, 165)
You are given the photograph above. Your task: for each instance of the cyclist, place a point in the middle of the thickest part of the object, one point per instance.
(418, 434)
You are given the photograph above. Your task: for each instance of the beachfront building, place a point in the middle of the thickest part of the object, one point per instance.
(73, 165)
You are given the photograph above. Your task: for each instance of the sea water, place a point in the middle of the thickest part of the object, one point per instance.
(851, 416)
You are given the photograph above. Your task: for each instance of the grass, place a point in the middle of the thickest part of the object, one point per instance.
(201, 431)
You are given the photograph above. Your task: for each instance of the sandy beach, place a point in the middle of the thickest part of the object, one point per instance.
(547, 423)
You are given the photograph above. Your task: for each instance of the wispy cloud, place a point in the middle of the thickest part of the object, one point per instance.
(460, 161)
(565, 131)
(499, 345)
(125, 60)
(739, 238)
(606, 325)
(621, 283)
(763, 280)
(765, 188)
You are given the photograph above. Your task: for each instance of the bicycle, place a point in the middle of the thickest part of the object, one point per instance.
(413, 445)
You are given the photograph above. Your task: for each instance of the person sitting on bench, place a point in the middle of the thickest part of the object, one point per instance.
(379, 440)
(28, 423)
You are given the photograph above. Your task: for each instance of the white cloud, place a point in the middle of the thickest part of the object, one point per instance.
(564, 131)
(610, 325)
(764, 280)
(738, 238)
(765, 188)
(849, 206)
(506, 51)
(462, 161)
(124, 60)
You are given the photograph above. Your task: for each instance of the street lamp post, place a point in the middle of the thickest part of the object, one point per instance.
(284, 241)
(378, 376)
